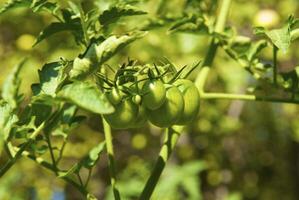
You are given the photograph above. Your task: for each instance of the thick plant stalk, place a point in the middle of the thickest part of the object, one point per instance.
(18, 154)
(111, 163)
(247, 97)
(219, 27)
(171, 138)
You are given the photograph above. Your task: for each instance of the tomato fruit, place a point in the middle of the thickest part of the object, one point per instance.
(154, 94)
(124, 115)
(191, 100)
(169, 112)
(140, 118)
(114, 96)
(136, 99)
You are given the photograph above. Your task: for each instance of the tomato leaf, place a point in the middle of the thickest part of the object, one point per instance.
(35, 5)
(87, 96)
(39, 5)
(74, 169)
(113, 14)
(281, 38)
(10, 89)
(97, 54)
(87, 162)
(15, 4)
(93, 156)
(7, 120)
(51, 77)
(191, 24)
(56, 27)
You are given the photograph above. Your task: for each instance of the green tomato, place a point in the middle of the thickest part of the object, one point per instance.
(136, 99)
(124, 115)
(114, 96)
(154, 94)
(169, 112)
(140, 118)
(191, 100)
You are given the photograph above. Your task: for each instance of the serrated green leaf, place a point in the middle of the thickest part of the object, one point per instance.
(88, 161)
(74, 169)
(38, 5)
(93, 155)
(56, 27)
(40, 111)
(259, 30)
(67, 121)
(281, 38)
(51, 77)
(87, 96)
(190, 24)
(15, 4)
(10, 89)
(255, 48)
(113, 14)
(7, 119)
(35, 5)
(97, 54)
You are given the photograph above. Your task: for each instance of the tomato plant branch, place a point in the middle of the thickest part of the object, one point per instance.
(48, 139)
(219, 27)
(275, 50)
(61, 152)
(171, 138)
(111, 162)
(50, 167)
(18, 154)
(248, 97)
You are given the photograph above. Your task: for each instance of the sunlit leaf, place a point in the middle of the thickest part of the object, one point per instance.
(10, 89)
(281, 38)
(11, 4)
(57, 27)
(93, 156)
(97, 54)
(7, 120)
(51, 77)
(87, 96)
(114, 13)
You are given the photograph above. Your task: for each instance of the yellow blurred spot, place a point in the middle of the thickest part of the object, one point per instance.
(186, 152)
(25, 42)
(204, 125)
(214, 177)
(139, 141)
(267, 18)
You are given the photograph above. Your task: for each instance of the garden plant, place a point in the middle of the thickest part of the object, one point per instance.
(126, 93)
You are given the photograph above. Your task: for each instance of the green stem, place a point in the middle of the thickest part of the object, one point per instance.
(88, 178)
(52, 168)
(51, 153)
(275, 49)
(18, 154)
(111, 162)
(61, 152)
(247, 97)
(208, 61)
(171, 138)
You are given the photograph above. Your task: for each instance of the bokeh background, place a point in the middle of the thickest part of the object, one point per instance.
(234, 151)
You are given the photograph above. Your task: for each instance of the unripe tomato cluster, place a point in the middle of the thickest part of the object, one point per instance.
(142, 94)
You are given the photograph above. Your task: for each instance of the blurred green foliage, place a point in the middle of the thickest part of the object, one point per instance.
(234, 150)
